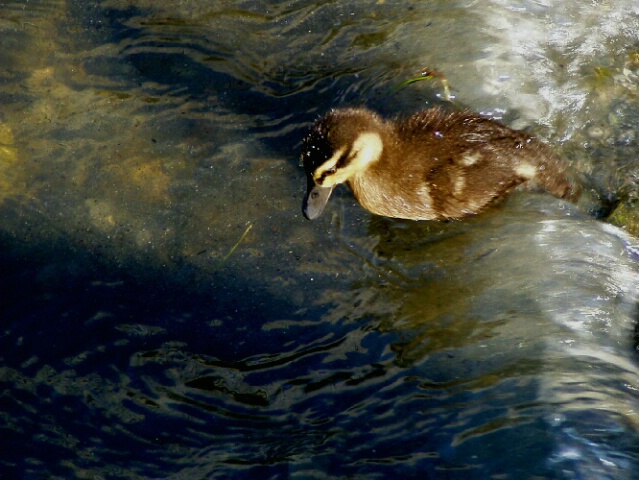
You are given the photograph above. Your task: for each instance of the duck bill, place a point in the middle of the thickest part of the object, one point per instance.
(315, 199)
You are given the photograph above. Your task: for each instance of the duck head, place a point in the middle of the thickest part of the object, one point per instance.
(339, 146)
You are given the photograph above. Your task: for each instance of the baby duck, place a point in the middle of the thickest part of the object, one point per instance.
(433, 165)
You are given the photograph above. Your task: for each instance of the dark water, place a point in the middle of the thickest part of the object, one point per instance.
(168, 313)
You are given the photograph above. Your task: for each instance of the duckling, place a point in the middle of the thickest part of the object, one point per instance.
(433, 165)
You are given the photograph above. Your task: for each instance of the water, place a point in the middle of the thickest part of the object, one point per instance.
(168, 313)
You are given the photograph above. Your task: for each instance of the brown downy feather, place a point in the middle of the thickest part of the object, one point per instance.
(432, 165)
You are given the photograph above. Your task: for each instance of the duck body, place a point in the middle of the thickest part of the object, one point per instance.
(433, 165)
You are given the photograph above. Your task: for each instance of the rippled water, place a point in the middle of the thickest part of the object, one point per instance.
(168, 313)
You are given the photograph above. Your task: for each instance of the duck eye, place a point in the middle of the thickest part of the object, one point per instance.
(331, 171)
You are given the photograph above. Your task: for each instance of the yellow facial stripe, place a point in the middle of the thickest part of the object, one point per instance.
(324, 170)
(366, 150)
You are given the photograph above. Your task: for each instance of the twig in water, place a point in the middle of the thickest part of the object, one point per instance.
(226, 257)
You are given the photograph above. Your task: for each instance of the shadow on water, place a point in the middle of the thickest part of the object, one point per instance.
(431, 362)
(102, 359)
(146, 143)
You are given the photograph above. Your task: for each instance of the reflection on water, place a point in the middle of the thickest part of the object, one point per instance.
(167, 313)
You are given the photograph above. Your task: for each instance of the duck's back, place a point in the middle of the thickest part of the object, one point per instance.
(441, 165)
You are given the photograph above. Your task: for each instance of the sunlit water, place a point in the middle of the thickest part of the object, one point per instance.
(168, 313)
